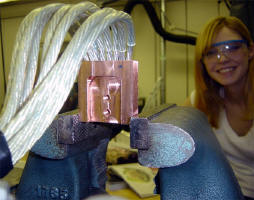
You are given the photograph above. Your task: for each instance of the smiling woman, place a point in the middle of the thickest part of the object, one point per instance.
(224, 91)
(230, 67)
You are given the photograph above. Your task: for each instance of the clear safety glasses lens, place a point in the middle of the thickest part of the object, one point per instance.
(230, 49)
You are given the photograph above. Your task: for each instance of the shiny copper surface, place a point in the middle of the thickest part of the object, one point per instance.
(108, 91)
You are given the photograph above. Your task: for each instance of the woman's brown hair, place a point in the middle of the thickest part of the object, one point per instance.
(208, 98)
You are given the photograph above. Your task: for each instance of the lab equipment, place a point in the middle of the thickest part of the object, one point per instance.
(36, 92)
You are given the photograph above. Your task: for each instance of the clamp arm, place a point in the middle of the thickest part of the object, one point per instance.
(5, 157)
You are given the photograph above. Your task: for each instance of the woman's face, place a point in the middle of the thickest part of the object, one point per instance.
(227, 62)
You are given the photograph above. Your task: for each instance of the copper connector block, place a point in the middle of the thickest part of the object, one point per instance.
(108, 91)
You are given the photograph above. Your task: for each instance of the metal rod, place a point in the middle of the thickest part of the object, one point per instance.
(163, 57)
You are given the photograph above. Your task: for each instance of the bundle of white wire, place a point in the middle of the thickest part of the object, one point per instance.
(37, 91)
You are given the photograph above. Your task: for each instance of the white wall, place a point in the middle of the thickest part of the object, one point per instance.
(190, 14)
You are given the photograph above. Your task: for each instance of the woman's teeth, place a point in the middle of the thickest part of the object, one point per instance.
(225, 70)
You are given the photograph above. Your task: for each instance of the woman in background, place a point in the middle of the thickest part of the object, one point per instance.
(224, 91)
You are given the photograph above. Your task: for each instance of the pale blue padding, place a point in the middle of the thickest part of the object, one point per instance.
(170, 146)
(162, 140)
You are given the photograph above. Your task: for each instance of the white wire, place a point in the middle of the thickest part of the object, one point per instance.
(52, 26)
(31, 106)
(59, 34)
(108, 43)
(121, 47)
(13, 99)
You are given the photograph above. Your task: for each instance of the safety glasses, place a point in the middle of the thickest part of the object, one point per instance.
(231, 49)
